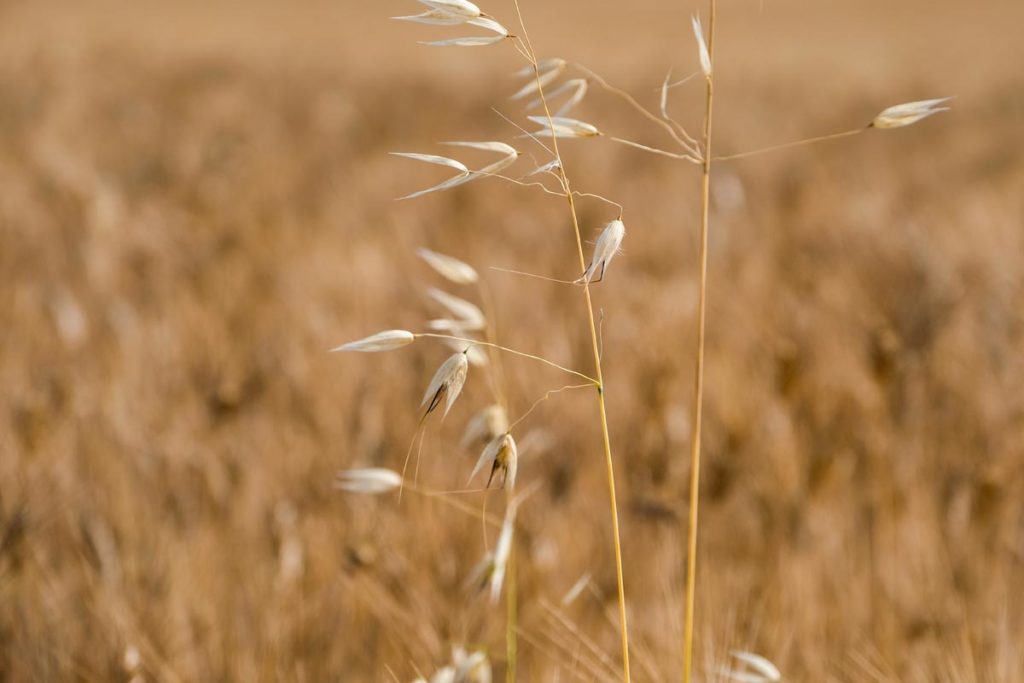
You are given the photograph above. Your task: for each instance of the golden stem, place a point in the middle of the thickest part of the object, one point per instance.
(698, 384)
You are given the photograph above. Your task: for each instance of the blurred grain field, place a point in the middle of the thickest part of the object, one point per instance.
(196, 203)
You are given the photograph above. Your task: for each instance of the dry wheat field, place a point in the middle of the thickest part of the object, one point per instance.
(197, 203)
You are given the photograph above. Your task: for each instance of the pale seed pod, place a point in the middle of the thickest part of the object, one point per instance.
(382, 341)
(371, 480)
(705, 56)
(910, 112)
(449, 267)
(564, 127)
(468, 315)
(502, 454)
(446, 384)
(487, 424)
(763, 670)
(604, 250)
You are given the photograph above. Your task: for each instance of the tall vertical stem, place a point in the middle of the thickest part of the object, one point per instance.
(698, 383)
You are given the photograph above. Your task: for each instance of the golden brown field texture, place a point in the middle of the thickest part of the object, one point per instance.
(196, 203)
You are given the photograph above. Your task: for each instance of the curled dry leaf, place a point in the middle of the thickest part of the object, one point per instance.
(446, 384)
(607, 246)
(382, 341)
(910, 112)
(371, 480)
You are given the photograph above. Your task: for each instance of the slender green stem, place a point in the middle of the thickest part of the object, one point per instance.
(698, 383)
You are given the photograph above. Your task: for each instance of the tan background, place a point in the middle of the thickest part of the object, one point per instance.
(195, 203)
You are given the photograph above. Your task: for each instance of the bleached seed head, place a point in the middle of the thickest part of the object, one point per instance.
(549, 167)
(763, 671)
(434, 17)
(510, 154)
(487, 424)
(549, 70)
(371, 480)
(508, 459)
(476, 356)
(501, 553)
(910, 112)
(490, 25)
(578, 88)
(449, 267)
(605, 249)
(447, 383)
(564, 127)
(468, 314)
(445, 674)
(488, 456)
(467, 41)
(702, 47)
(473, 668)
(459, 8)
(382, 341)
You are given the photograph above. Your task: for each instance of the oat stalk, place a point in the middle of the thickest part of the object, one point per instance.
(528, 52)
(707, 58)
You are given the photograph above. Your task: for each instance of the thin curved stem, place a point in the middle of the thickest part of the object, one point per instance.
(698, 384)
(605, 437)
(545, 397)
(632, 101)
(787, 145)
(499, 347)
(655, 150)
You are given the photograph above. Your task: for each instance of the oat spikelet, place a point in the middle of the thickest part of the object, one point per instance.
(382, 341)
(705, 56)
(763, 671)
(911, 112)
(607, 246)
(503, 455)
(487, 424)
(446, 385)
(371, 480)
(549, 70)
(564, 127)
(451, 268)
(467, 315)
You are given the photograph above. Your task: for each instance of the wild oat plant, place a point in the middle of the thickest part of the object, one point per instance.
(553, 91)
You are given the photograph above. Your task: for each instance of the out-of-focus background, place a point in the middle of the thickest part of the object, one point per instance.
(196, 202)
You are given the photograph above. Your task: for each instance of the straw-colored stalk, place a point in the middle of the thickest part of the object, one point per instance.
(595, 347)
(698, 382)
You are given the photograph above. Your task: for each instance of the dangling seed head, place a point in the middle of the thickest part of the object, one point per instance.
(604, 250)
(382, 341)
(447, 383)
(905, 114)
(372, 480)
(452, 268)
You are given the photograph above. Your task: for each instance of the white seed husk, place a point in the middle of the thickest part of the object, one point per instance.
(908, 113)
(702, 47)
(382, 341)
(607, 246)
(457, 271)
(467, 314)
(371, 480)
(446, 383)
